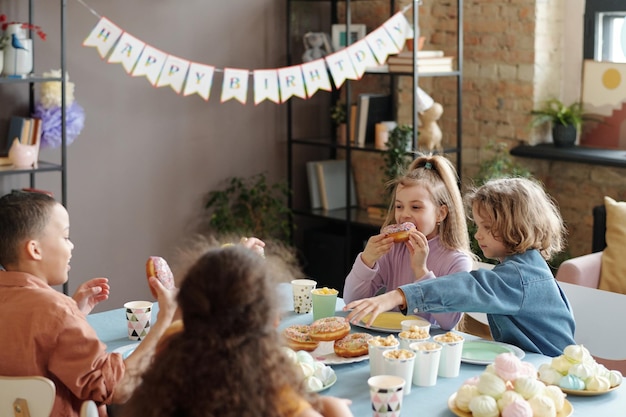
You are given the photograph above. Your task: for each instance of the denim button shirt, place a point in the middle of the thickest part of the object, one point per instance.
(524, 304)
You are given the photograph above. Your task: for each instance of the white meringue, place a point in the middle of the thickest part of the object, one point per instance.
(582, 370)
(464, 395)
(492, 385)
(528, 387)
(507, 398)
(557, 396)
(484, 406)
(313, 383)
(542, 406)
(549, 375)
(576, 353)
(561, 364)
(615, 378)
(598, 383)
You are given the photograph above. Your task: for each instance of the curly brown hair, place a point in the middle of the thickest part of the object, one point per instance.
(522, 215)
(228, 360)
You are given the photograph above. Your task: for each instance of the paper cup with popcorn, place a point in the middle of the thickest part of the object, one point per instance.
(426, 364)
(324, 302)
(376, 346)
(400, 362)
(451, 352)
(302, 302)
(412, 335)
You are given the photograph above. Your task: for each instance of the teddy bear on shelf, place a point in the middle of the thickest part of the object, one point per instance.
(316, 46)
(430, 134)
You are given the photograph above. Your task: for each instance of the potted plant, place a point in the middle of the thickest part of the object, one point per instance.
(250, 207)
(566, 120)
(397, 155)
(339, 118)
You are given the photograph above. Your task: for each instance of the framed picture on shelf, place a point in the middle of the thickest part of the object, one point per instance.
(357, 32)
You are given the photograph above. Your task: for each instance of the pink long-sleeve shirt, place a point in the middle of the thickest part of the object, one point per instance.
(44, 333)
(394, 269)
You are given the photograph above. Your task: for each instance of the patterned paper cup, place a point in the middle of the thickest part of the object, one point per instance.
(386, 395)
(138, 317)
(302, 301)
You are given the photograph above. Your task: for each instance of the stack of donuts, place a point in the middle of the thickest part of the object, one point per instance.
(329, 329)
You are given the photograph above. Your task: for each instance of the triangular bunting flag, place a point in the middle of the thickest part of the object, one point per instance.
(340, 67)
(291, 83)
(315, 77)
(361, 56)
(381, 44)
(103, 36)
(127, 51)
(174, 73)
(150, 64)
(199, 80)
(398, 28)
(235, 85)
(266, 86)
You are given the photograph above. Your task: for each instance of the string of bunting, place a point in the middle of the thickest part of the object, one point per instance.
(278, 85)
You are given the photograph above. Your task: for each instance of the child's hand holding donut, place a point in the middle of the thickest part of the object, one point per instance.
(418, 248)
(375, 248)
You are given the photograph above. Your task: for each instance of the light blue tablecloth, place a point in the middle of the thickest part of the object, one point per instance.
(352, 378)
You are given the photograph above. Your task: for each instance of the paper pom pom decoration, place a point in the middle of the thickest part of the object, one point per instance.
(48, 109)
(51, 124)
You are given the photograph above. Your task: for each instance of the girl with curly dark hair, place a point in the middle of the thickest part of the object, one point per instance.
(228, 359)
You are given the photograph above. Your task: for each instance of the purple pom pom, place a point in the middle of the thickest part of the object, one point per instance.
(51, 124)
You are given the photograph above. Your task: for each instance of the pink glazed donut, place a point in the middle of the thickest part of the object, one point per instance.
(399, 232)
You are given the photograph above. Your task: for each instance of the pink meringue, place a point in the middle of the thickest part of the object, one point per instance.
(518, 408)
(507, 366)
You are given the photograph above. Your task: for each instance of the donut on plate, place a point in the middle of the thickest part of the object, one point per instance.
(298, 338)
(158, 267)
(353, 345)
(399, 232)
(329, 329)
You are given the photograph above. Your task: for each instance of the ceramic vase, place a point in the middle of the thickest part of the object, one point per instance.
(564, 136)
(18, 61)
(22, 156)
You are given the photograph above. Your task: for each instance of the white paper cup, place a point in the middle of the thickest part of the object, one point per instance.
(405, 343)
(402, 367)
(386, 395)
(302, 301)
(138, 318)
(377, 361)
(450, 361)
(421, 323)
(426, 364)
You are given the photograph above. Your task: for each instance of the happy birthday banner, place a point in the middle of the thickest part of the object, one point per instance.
(278, 85)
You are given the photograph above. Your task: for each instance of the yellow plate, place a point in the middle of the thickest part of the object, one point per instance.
(585, 393)
(566, 411)
(388, 322)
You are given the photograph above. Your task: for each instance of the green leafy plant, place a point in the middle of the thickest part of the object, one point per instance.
(338, 113)
(396, 156)
(556, 112)
(251, 207)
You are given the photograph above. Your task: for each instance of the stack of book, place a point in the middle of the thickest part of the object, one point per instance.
(25, 129)
(427, 62)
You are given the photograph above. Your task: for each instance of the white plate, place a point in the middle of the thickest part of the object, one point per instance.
(484, 352)
(126, 350)
(325, 353)
(330, 383)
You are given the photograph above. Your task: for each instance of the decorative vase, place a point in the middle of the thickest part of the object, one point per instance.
(18, 61)
(22, 156)
(564, 136)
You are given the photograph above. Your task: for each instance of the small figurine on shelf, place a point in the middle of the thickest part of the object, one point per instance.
(429, 112)
(23, 156)
(317, 46)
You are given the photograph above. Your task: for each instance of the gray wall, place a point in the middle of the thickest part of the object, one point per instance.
(138, 171)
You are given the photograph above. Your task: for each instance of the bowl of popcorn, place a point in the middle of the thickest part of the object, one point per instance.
(509, 388)
(576, 372)
(317, 376)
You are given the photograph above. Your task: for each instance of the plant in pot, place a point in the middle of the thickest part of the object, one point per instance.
(397, 156)
(339, 118)
(250, 207)
(566, 121)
